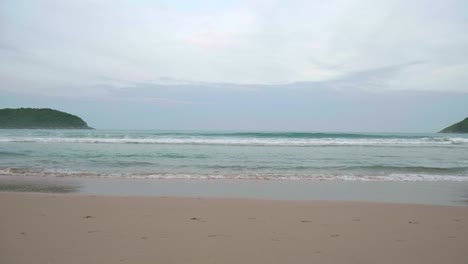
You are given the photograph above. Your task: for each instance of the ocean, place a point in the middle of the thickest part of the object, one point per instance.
(209, 155)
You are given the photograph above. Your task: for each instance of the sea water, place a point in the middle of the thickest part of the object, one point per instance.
(202, 155)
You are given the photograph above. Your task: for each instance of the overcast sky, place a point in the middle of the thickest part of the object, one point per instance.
(239, 65)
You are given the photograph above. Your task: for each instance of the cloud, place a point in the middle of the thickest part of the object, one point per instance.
(7, 47)
(213, 40)
(375, 79)
(94, 45)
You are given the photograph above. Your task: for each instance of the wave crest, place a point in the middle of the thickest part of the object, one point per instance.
(391, 177)
(426, 141)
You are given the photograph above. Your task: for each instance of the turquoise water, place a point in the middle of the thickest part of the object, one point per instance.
(234, 155)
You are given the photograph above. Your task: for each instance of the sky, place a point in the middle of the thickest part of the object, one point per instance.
(354, 65)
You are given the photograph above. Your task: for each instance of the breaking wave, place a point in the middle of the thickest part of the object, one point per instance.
(389, 177)
(251, 141)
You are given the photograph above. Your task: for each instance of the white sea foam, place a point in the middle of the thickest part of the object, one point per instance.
(424, 141)
(394, 177)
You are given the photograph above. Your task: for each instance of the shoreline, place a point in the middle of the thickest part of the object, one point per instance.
(218, 198)
(432, 193)
(80, 228)
(221, 198)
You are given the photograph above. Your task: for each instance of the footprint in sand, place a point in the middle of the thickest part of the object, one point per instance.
(215, 235)
(197, 219)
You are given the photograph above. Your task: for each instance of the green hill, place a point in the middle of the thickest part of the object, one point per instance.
(460, 127)
(39, 118)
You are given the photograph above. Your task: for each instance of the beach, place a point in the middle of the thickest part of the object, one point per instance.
(148, 196)
(76, 228)
(233, 132)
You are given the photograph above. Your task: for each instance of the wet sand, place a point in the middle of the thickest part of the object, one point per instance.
(71, 228)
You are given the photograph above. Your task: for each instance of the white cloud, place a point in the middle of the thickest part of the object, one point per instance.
(56, 46)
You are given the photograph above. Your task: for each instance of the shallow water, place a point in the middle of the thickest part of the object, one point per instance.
(432, 193)
(235, 155)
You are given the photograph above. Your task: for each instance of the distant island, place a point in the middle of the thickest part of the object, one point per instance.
(460, 127)
(37, 118)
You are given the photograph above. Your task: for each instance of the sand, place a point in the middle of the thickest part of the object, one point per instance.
(67, 228)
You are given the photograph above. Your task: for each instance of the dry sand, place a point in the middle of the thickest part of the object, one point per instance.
(46, 228)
